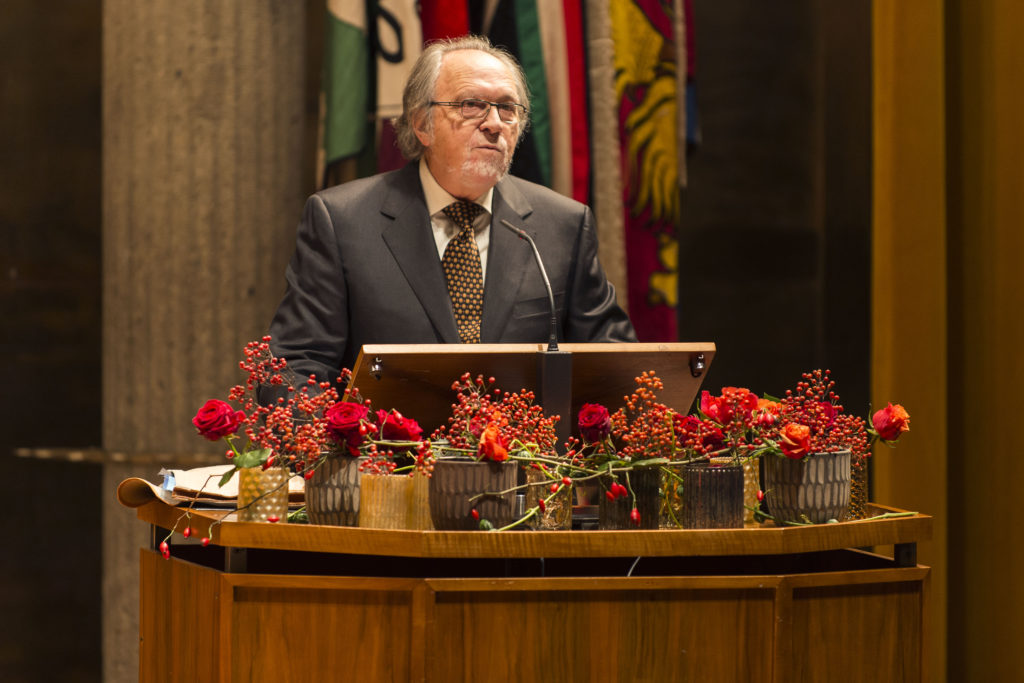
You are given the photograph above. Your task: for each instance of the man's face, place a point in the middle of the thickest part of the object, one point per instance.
(469, 156)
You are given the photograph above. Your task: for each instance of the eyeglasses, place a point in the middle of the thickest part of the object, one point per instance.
(508, 112)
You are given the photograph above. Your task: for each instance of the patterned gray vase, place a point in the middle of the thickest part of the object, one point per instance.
(814, 489)
(332, 494)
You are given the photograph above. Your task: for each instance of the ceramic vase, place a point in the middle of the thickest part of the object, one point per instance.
(813, 489)
(332, 494)
(460, 485)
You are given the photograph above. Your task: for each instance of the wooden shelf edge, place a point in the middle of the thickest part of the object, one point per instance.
(481, 544)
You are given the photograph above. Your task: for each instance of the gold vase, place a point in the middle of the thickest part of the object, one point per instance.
(263, 494)
(858, 488)
(391, 501)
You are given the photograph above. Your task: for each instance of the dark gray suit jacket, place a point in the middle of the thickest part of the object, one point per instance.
(366, 271)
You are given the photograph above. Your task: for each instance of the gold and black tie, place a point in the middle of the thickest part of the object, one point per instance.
(462, 269)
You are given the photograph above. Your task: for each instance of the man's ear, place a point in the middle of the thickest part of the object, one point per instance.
(419, 126)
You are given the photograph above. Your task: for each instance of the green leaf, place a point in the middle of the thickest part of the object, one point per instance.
(227, 476)
(252, 458)
(650, 462)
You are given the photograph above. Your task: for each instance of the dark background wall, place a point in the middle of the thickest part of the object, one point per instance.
(50, 338)
(775, 241)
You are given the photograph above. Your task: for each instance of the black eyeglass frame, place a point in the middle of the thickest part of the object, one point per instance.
(517, 110)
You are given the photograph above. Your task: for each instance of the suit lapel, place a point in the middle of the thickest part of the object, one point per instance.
(507, 257)
(411, 242)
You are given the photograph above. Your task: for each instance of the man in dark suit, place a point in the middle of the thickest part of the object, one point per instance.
(423, 255)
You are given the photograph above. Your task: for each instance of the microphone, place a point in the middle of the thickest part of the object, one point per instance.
(553, 336)
(554, 367)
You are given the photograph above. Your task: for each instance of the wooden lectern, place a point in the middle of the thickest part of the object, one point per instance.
(279, 602)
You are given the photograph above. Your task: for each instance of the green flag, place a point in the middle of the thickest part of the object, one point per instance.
(346, 79)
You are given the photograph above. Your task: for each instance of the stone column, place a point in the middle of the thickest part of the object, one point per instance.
(209, 129)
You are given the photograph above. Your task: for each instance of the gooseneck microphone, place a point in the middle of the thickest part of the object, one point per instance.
(553, 335)
(554, 367)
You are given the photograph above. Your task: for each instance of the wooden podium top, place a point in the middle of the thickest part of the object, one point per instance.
(766, 540)
(416, 379)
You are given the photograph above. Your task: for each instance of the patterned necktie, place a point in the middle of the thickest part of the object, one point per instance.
(462, 269)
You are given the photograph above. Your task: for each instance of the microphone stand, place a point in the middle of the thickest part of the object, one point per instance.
(554, 367)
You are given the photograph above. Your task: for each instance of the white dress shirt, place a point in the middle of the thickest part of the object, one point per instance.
(444, 229)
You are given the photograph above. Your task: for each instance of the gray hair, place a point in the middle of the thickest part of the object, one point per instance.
(422, 83)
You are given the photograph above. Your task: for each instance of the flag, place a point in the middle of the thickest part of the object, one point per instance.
(644, 34)
(547, 40)
(346, 80)
(444, 18)
(398, 44)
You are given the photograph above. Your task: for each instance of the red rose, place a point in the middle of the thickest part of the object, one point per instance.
(744, 399)
(710, 436)
(795, 440)
(594, 422)
(343, 421)
(891, 421)
(217, 419)
(491, 446)
(710, 406)
(723, 408)
(395, 427)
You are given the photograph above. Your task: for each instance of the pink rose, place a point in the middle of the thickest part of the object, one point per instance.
(216, 419)
(829, 412)
(891, 421)
(594, 422)
(343, 423)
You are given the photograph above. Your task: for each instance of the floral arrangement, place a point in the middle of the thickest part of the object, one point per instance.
(488, 424)
(810, 419)
(390, 441)
(290, 432)
(643, 433)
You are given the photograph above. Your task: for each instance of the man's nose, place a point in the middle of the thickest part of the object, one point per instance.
(492, 122)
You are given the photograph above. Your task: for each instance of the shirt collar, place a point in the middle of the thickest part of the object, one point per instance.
(437, 197)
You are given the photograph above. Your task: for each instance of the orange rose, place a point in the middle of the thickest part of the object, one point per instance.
(795, 440)
(491, 447)
(890, 422)
(767, 412)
